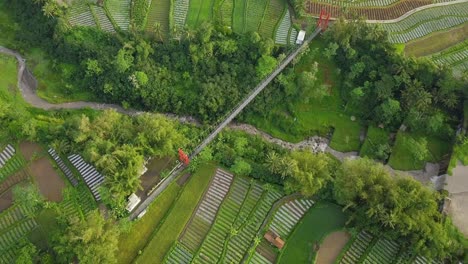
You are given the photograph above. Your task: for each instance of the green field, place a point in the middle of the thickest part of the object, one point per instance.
(199, 11)
(375, 138)
(8, 91)
(159, 13)
(130, 243)
(178, 216)
(401, 158)
(272, 17)
(316, 117)
(322, 219)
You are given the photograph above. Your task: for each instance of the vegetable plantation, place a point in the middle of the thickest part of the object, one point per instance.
(455, 57)
(158, 17)
(223, 230)
(119, 10)
(427, 21)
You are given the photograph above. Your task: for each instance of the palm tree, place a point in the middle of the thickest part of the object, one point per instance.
(51, 9)
(61, 146)
(157, 30)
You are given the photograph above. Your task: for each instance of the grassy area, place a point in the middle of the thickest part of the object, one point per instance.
(436, 42)
(402, 159)
(316, 117)
(375, 137)
(8, 90)
(319, 221)
(136, 239)
(199, 11)
(51, 79)
(159, 13)
(178, 216)
(8, 28)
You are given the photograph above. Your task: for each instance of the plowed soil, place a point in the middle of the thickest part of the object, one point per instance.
(371, 13)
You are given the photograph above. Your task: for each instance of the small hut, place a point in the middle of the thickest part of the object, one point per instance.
(274, 239)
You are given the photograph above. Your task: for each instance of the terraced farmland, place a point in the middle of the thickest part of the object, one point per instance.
(199, 11)
(236, 224)
(384, 252)
(77, 201)
(91, 176)
(181, 8)
(225, 12)
(103, 20)
(13, 164)
(206, 212)
(288, 215)
(281, 36)
(427, 21)
(80, 15)
(254, 14)
(159, 13)
(456, 57)
(357, 249)
(14, 226)
(374, 10)
(6, 154)
(273, 15)
(119, 10)
(238, 17)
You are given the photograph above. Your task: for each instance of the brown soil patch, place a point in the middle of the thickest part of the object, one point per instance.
(267, 251)
(30, 149)
(153, 175)
(436, 42)
(6, 200)
(13, 180)
(331, 247)
(183, 179)
(373, 13)
(50, 183)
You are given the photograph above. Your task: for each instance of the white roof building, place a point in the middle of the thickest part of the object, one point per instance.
(300, 37)
(133, 201)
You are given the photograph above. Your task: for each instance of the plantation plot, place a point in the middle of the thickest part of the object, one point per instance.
(159, 15)
(180, 12)
(119, 10)
(288, 215)
(77, 201)
(63, 167)
(80, 15)
(103, 20)
(225, 12)
(281, 36)
(254, 14)
(6, 154)
(427, 21)
(14, 226)
(14, 164)
(179, 255)
(238, 17)
(90, 175)
(199, 11)
(384, 251)
(455, 57)
(205, 214)
(273, 15)
(357, 249)
(237, 222)
(382, 12)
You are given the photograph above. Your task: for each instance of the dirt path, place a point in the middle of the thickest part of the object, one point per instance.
(331, 247)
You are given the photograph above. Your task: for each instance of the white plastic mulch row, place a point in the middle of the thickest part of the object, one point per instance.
(179, 255)
(359, 246)
(91, 176)
(384, 251)
(80, 15)
(6, 154)
(104, 21)
(281, 36)
(120, 12)
(63, 167)
(427, 21)
(288, 215)
(180, 12)
(257, 258)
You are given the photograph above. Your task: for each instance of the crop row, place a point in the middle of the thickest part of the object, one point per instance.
(206, 212)
(273, 15)
(179, 255)
(119, 10)
(13, 165)
(374, 12)
(384, 251)
(427, 21)
(456, 57)
(6, 154)
(288, 215)
(103, 20)
(281, 36)
(360, 3)
(10, 237)
(357, 249)
(254, 14)
(12, 215)
(80, 15)
(180, 12)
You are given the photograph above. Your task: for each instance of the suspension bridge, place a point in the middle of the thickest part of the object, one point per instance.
(322, 23)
